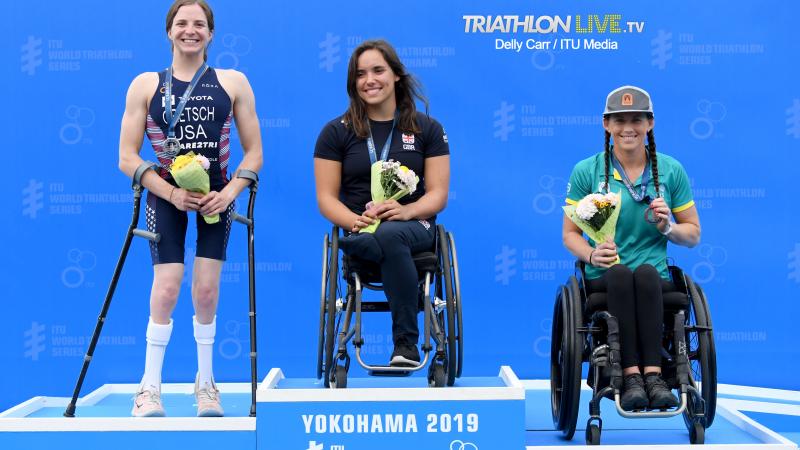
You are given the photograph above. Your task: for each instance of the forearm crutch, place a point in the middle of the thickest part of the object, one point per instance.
(251, 272)
(132, 231)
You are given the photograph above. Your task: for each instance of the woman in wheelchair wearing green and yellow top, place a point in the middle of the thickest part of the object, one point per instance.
(632, 268)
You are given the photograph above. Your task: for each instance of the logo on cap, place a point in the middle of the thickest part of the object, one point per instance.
(627, 99)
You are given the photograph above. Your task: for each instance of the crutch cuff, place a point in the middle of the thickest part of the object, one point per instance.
(204, 332)
(139, 172)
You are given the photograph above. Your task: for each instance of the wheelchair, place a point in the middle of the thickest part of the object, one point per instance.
(341, 308)
(583, 331)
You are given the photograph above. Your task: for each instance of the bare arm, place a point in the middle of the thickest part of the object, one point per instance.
(244, 112)
(131, 135)
(437, 187)
(328, 176)
(686, 230)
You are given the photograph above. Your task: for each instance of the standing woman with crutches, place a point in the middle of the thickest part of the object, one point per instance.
(198, 120)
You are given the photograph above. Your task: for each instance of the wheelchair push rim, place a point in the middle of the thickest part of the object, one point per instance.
(445, 260)
(702, 357)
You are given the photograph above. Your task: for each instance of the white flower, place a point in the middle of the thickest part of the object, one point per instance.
(611, 198)
(586, 208)
(407, 179)
(204, 162)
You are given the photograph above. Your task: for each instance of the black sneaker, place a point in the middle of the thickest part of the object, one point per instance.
(659, 393)
(633, 396)
(405, 356)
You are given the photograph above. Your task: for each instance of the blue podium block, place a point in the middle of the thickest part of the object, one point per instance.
(102, 421)
(479, 413)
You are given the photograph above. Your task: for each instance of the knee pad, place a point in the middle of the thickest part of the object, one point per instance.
(204, 333)
(158, 334)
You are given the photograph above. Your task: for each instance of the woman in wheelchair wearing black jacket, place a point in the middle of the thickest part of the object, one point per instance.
(382, 123)
(634, 285)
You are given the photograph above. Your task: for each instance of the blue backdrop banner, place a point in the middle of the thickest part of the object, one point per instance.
(518, 85)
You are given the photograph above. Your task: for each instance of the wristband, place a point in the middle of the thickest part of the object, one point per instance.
(170, 194)
(590, 256)
(668, 230)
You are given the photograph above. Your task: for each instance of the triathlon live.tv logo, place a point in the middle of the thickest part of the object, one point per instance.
(581, 24)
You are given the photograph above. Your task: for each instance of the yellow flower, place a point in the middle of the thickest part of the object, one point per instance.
(182, 160)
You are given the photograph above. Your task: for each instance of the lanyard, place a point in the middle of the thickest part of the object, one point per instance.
(627, 182)
(172, 118)
(385, 149)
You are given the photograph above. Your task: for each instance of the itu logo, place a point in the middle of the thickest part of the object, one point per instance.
(504, 124)
(461, 445)
(31, 55)
(312, 445)
(661, 49)
(505, 265)
(329, 52)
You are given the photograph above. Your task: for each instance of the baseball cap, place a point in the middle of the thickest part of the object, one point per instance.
(628, 99)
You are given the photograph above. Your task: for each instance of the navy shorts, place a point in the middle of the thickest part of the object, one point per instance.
(164, 218)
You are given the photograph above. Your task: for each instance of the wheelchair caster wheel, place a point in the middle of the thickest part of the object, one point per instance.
(339, 380)
(593, 435)
(697, 434)
(438, 377)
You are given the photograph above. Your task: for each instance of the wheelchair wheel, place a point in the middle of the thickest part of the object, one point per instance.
(566, 354)
(697, 434)
(593, 435)
(702, 359)
(445, 259)
(322, 302)
(457, 297)
(437, 375)
(330, 291)
(338, 379)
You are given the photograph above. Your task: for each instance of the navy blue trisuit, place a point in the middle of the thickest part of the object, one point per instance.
(204, 128)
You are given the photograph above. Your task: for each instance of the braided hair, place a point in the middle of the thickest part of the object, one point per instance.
(651, 146)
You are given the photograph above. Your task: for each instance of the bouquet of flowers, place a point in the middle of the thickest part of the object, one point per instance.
(596, 215)
(389, 181)
(190, 172)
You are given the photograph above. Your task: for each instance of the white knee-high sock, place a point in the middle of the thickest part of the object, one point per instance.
(157, 339)
(204, 336)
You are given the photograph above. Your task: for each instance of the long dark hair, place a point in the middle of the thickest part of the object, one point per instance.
(177, 4)
(651, 146)
(406, 89)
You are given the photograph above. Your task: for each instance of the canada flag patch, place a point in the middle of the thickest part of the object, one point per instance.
(408, 138)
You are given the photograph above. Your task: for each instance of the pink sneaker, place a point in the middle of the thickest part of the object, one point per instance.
(208, 404)
(147, 403)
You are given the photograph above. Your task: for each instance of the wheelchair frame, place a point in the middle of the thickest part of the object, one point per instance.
(576, 339)
(441, 307)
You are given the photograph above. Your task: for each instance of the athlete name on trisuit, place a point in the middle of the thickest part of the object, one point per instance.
(171, 143)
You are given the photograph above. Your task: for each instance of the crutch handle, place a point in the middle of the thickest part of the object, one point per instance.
(149, 235)
(241, 219)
